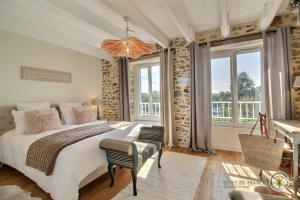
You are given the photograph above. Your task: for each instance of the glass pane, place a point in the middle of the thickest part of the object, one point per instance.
(221, 90)
(249, 86)
(144, 92)
(155, 90)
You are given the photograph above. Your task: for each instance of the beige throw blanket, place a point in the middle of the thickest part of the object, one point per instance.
(42, 154)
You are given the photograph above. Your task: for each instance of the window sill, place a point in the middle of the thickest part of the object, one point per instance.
(148, 119)
(150, 122)
(223, 125)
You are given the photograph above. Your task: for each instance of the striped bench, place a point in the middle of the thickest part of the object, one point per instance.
(132, 155)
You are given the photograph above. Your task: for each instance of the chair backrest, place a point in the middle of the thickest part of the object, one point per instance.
(262, 119)
(263, 124)
(155, 133)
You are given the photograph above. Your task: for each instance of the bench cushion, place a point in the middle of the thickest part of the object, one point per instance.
(157, 143)
(145, 151)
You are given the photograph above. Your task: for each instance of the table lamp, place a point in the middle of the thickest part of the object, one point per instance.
(96, 102)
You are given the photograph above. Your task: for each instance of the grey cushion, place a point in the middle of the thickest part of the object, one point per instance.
(145, 150)
(155, 133)
(157, 143)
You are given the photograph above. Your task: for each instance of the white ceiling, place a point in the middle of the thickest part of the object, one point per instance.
(82, 25)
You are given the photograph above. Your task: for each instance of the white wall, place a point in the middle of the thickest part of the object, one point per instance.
(16, 51)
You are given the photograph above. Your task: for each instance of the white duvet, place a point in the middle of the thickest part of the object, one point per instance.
(73, 163)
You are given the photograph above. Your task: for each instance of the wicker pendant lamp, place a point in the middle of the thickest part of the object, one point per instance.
(131, 47)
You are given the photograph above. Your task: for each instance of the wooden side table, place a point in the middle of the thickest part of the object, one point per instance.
(291, 130)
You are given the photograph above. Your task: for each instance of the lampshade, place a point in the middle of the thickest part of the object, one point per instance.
(96, 101)
(297, 82)
(131, 47)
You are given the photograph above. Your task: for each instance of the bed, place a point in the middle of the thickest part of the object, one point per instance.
(76, 165)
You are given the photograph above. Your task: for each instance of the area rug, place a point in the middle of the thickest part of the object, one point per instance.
(14, 192)
(178, 179)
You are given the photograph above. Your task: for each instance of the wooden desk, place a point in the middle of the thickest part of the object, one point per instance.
(291, 130)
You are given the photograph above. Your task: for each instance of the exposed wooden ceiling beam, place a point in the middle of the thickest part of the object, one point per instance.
(60, 29)
(138, 19)
(225, 26)
(268, 13)
(20, 26)
(90, 11)
(184, 28)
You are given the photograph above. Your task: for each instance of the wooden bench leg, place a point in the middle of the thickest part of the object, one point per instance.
(260, 174)
(134, 179)
(159, 157)
(111, 173)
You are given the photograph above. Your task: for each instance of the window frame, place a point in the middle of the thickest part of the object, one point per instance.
(151, 117)
(232, 53)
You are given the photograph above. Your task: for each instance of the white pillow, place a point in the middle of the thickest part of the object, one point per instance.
(29, 106)
(20, 120)
(66, 110)
(70, 104)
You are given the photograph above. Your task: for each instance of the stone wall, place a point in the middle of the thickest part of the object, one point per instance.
(110, 89)
(132, 93)
(246, 28)
(295, 43)
(181, 67)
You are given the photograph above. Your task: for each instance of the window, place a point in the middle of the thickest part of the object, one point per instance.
(149, 92)
(237, 95)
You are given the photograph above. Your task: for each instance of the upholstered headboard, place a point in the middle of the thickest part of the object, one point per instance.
(6, 119)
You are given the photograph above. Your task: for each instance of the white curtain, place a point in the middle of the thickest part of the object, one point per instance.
(167, 115)
(201, 116)
(277, 74)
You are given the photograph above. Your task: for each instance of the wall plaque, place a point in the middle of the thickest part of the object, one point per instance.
(38, 74)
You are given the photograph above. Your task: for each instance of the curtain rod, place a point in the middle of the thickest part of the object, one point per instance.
(234, 39)
(149, 56)
(240, 38)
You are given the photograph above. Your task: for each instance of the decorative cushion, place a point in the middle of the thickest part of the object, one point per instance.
(157, 143)
(40, 121)
(152, 133)
(145, 150)
(66, 110)
(67, 115)
(30, 106)
(84, 114)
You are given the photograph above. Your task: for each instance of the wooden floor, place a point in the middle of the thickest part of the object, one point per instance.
(224, 172)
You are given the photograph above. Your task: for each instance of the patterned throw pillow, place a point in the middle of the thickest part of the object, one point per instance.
(42, 120)
(84, 114)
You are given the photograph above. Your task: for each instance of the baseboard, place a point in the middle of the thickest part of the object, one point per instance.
(227, 148)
